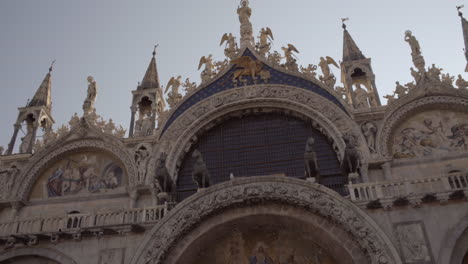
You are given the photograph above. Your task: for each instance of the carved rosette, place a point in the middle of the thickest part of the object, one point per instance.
(324, 115)
(397, 116)
(256, 190)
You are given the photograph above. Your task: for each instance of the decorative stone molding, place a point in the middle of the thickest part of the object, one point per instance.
(80, 138)
(239, 192)
(324, 115)
(396, 116)
(48, 253)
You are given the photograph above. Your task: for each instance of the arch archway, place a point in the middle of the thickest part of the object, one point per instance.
(290, 200)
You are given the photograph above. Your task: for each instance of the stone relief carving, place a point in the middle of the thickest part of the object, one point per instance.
(289, 191)
(413, 243)
(200, 174)
(401, 111)
(431, 133)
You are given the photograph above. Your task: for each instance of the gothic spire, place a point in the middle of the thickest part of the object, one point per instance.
(42, 97)
(350, 49)
(151, 79)
(465, 34)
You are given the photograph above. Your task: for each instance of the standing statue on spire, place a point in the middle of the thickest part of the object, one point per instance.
(246, 31)
(88, 105)
(418, 59)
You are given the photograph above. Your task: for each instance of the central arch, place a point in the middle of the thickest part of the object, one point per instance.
(342, 227)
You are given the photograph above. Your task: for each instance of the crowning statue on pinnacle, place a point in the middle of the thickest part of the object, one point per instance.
(246, 31)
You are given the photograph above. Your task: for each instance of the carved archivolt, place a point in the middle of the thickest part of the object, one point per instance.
(324, 115)
(48, 157)
(50, 254)
(396, 117)
(286, 191)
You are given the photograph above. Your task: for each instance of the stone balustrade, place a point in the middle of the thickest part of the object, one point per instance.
(73, 222)
(451, 182)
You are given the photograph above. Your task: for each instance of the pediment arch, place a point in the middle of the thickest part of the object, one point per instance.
(329, 119)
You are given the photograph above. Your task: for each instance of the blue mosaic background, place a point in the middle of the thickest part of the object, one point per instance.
(224, 83)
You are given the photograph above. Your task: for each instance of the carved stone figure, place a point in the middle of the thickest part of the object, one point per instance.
(461, 83)
(416, 75)
(310, 160)
(447, 79)
(400, 90)
(362, 97)
(207, 73)
(410, 86)
(141, 160)
(265, 38)
(189, 86)
(310, 71)
(351, 162)
(418, 59)
(7, 180)
(291, 62)
(220, 66)
(144, 126)
(324, 66)
(413, 243)
(88, 104)
(200, 173)
(247, 67)
(174, 97)
(1, 150)
(390, 98)
(341, 91)
(434, 72)
(369, 130)
(231, 46)
(246, 31)
(162, 177)
(274, 57)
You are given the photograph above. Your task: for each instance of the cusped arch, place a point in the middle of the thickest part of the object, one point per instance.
(171, 231)
(395, 116)
(37, 251)
(325, 116)
(44, 159)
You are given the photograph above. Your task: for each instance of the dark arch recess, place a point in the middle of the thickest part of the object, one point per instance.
(260, 144)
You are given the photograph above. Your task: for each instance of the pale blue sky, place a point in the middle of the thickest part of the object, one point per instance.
(112, 40)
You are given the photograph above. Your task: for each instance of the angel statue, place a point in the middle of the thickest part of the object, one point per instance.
(231, 46)
(328, 78)
(174, 96)
(290, 57)
(207, 73)
(265, 38)
(461, 83)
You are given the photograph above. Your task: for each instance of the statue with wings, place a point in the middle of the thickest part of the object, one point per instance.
(207, 73)
(265, 39)
(231, 46)
(174, 96)
(290, 57)
(247, 66)
(324, 65)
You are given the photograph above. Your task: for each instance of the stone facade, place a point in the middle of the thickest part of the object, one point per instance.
(388, 185)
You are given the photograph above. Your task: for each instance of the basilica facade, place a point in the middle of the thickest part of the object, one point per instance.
(264, 162)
